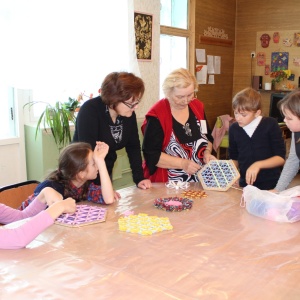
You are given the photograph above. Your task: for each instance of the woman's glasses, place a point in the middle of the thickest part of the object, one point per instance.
(131, 105)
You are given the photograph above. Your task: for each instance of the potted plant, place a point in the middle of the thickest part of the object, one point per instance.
(57, 118)
(279, 76)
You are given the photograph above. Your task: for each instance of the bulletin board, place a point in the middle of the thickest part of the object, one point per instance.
(278, 50)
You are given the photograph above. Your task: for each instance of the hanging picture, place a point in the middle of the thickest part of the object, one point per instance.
(143, 35)
(279, 61)
(261, 58)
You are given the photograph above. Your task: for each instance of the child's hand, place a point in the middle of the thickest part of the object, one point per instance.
(69, 205)
(101, 150)
(251, 173)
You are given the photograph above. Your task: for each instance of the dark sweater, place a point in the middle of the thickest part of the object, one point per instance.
(92, 124)
(265, 143)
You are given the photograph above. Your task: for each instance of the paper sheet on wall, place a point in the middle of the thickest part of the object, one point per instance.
(217, 64)
(200, 55)
(201, 74)
(210, 64)
(211, 79)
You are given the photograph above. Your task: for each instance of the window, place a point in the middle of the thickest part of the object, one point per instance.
(59, 49)
(176, 36)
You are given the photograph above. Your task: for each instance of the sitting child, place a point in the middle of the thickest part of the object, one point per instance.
(78, 165)
(41, 218)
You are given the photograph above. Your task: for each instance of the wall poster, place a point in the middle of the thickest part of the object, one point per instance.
(143, 35)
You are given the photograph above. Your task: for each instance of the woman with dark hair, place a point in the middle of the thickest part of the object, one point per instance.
(111, 118)
(78, 165)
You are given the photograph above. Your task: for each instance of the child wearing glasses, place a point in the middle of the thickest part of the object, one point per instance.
(256, 145)
(111, 118)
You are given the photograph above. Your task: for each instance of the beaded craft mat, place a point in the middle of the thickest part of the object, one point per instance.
(84, 215)
(193, 194)
(144, 224)
(218, 175)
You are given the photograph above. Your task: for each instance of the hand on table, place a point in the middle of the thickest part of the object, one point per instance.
(144, 184)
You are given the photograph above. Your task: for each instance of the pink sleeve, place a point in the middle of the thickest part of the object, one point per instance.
(27, 232)
(8, 214)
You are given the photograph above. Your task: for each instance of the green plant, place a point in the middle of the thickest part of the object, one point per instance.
(56, 118)
(71, 104)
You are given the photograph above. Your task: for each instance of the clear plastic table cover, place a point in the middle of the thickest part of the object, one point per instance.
(216, 250)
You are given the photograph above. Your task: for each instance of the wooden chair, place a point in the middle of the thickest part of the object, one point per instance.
(13, 195)
(225, 140)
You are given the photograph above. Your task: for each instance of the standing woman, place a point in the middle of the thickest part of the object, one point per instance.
(110, 118)
(177, 138)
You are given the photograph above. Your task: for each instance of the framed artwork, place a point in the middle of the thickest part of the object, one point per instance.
(279, 61)
(143, 35)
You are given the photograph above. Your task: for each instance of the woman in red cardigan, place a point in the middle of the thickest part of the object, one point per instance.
(177, 138)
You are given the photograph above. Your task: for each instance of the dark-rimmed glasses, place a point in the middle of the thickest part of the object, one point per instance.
(131, 105)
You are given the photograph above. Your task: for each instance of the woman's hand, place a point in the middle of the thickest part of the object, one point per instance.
(189, 166)
(144, 184)
(207, 157)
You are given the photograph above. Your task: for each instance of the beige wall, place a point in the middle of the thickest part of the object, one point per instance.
(254, 16)
(150, 69)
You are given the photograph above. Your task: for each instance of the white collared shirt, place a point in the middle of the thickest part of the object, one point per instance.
(250, 128)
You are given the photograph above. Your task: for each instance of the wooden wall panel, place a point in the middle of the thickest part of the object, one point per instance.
(218, 14)
(251, 17)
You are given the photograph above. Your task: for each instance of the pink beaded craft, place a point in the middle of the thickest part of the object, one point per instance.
(173, 203)
(84, 215)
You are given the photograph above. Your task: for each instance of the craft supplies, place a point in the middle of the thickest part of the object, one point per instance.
(218, 175)
(84, 215)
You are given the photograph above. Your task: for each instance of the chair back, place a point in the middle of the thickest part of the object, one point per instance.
(13, 195)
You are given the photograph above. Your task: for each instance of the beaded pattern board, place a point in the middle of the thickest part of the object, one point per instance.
(144, 224)
(218, 175)
(193, 194)
(84, 215)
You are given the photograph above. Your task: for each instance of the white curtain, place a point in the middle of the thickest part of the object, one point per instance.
(61, 48)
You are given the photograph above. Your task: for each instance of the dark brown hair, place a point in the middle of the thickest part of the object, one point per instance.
(72, 160)
(291, 102)
(120, 86)
(247, 100)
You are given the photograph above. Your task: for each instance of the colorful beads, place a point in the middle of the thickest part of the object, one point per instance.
(173, 203)
(144, 224)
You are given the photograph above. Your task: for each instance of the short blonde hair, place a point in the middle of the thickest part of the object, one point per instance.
(179, 78)
(247, 100)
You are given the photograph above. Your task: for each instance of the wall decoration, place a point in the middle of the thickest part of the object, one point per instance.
(267, 69)
(215, 36)
(282, 58)
(276, 37)
(287, 42)
(279, 61)
(296, 61)
(143, 35)
(297, 39)
(265, 39)
(261, 58)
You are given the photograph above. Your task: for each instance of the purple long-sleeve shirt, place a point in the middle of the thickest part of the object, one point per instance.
(21, 236)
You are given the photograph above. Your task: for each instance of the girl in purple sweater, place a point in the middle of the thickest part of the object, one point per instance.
(78, 166)
(41, 219)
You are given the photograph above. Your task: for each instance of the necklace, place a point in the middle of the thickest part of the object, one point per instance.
(187, 129)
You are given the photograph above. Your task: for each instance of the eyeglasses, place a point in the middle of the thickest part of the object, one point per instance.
(131, 105)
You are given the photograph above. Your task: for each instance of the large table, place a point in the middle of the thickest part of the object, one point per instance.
(217, 250)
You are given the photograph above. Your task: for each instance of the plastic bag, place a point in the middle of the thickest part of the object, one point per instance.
(282, 207)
